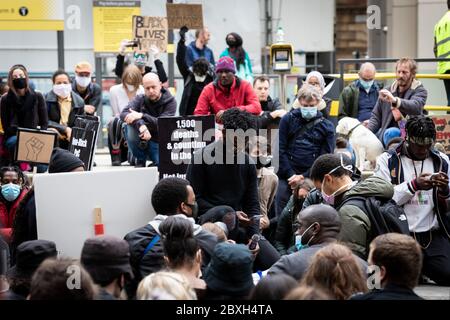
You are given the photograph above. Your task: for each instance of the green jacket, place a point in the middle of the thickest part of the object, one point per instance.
(355, 223)
(349, 101)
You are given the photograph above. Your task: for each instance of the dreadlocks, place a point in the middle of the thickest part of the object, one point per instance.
(422, 128)
(19, 172)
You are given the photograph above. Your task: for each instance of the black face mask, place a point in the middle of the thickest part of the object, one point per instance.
(231, 43)
(20, 83)
(263, 161)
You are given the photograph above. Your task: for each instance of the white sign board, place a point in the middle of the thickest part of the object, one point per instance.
(65, 204)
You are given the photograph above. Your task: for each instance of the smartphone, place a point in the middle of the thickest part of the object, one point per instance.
(434, 176)
(257, 216)
(132, 43)
(254, 241)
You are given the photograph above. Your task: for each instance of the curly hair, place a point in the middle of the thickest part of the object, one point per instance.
(236, 119)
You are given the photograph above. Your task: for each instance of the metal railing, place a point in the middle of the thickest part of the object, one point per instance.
(343, 62)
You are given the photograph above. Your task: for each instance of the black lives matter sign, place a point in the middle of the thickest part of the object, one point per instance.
(179, 138)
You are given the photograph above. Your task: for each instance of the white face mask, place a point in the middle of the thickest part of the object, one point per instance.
(199, 78)
(130, 87)
(83, 81)
(62, 90)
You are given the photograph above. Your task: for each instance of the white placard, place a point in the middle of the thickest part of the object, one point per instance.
(65, 204)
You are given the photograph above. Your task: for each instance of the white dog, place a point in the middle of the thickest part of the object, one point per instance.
(363, 141)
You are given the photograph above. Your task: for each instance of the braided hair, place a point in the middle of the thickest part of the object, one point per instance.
(15, 169)
(421, 126)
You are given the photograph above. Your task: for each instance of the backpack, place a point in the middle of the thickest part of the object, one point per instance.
(385, 215)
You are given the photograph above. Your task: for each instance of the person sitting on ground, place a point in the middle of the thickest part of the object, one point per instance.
(29, 256)
(317, 227)
(51, 279)
(181, 251)
(335, 269)
(24, 225)
(13, 190)
(405, 97)
(107, 259)
(170, 197)
(420, 176)
(91, 92)
(226, 92)
(141, 116)
(165, 285)
(285, 232)
(63, 106)
(358, 99)
(274, 287)
(399, 259)
(304, 135)
(140, 60)
(229, 274)
(120, 96)
(231, 180)
(332, 174)
(195, 77)
(259, 150)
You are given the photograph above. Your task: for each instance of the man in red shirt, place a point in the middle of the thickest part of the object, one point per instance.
(226, 92)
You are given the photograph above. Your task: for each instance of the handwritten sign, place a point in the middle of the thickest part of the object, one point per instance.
(150, 31)
(443, 131)
(189, 15)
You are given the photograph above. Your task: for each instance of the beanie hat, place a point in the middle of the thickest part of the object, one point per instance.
(225, 64)
(63, 161)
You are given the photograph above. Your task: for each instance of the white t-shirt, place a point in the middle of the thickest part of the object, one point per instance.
(119, 98)
(419, 207)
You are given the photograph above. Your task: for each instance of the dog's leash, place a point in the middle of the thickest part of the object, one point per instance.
(347, 136)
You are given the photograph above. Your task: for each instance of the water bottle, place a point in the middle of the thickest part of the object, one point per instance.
(280, 35)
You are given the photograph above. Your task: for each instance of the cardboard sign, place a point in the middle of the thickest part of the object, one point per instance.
(34, 146)
(179, 137)
(443, 131)
(189, 15)
(67, 203)
(148, 31)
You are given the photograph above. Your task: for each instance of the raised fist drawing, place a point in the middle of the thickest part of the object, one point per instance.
(34, 148)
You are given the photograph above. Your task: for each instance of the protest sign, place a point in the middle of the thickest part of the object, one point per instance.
(148, 31)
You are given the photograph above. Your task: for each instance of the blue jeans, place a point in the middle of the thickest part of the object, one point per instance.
(133, 140)
(10, 144)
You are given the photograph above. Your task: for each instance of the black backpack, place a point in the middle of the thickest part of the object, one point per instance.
(385, 215)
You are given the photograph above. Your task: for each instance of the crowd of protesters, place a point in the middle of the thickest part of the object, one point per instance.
(306, 228)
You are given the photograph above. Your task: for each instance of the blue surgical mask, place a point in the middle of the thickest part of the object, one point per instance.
(308, 112)
(10, 191)
(366, 84)
(298, 239)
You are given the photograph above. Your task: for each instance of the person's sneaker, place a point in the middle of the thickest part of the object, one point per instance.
(152, 164)
(139, 164)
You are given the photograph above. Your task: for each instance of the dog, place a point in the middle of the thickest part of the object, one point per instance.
(365, 143)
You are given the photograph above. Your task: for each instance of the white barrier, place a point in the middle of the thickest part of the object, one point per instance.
(65, 204)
